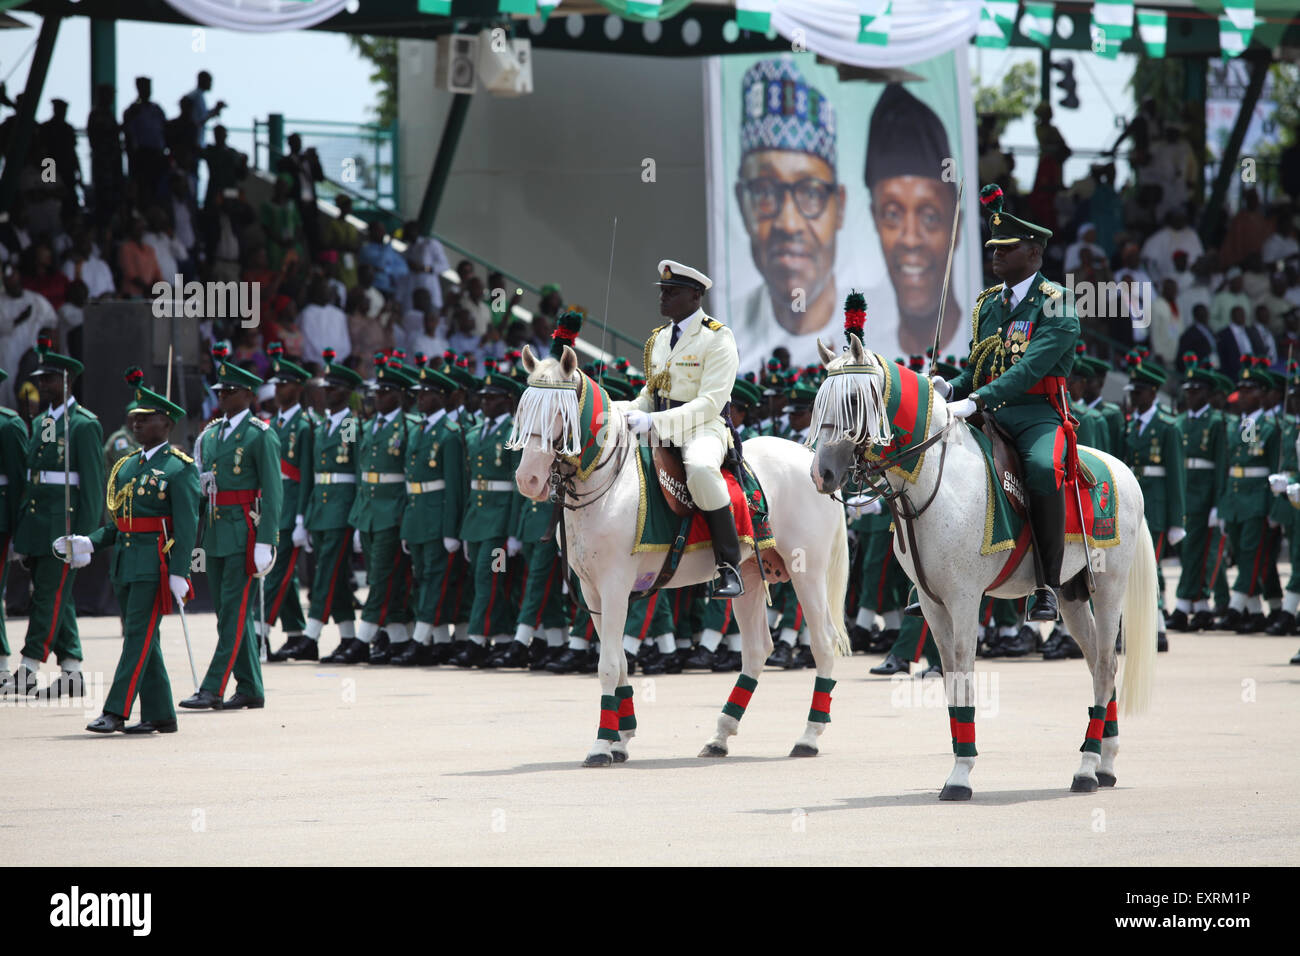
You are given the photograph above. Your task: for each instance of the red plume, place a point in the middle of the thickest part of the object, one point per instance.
(329, 355)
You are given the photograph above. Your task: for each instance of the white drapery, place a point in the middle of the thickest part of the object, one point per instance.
(918, 29)
(259, 16)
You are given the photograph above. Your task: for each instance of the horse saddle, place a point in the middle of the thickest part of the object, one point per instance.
(1010, 470)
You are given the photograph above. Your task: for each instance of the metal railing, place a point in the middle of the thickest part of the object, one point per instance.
(361, 155)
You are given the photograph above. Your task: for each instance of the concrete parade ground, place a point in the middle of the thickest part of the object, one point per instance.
(397, 766)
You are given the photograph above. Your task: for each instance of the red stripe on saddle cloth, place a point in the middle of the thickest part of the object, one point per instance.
(739, 512)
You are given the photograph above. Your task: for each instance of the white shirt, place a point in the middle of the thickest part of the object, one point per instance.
(324, 327)
(1199, 412)
(432, 419)
(284, 416)
(382, 420)
(152, 451)
(1145, 417)
(94, 272)
(1018, 291)
(335, 418)
(56, 412)
(232, 424)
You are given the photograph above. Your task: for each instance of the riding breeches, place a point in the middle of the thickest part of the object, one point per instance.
(1040, 440)
(702, 456)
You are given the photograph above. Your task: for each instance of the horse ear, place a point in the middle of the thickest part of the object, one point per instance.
(529, 359)
(569, 362)
(824, 351)
(859, 353)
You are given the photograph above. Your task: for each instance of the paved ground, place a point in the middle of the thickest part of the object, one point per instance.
(351, 765)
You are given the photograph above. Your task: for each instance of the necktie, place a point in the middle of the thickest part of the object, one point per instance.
(677, 334)
(1006, 297)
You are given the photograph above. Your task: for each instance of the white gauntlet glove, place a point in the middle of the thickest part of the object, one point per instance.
(639, 421)
(1277, 484)
(263, 558)
(300, 537)
(941, 386)
(963, 409)
(1176, 534)
(513, 546)
(179, 587)
(451, 544)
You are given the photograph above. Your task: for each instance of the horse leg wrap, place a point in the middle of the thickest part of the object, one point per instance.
(626, 716)
(1096, 723)
(608, 718)
(1111, 726)
(821, 703)
(739, 699)
(962, 722)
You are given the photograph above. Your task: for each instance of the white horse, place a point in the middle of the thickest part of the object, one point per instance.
(601, 524)
(848, 416)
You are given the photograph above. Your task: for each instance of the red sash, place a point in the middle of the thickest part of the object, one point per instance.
(244, 498)
(157, 526)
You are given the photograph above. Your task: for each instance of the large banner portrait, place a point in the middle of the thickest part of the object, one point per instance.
(818, 187)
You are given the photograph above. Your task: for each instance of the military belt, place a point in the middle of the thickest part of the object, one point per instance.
(54, 478)
(481, 484)
(1153, 471)
(1237, 471)
(335, 478)
(382, 477)
(419, 487)
(1199, 464)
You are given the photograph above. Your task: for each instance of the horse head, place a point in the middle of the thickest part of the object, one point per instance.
(848, 415)
(547, 422)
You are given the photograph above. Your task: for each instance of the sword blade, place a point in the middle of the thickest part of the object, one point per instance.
(185, 629)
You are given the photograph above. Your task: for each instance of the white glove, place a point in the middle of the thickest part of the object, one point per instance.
(80, 560)
(207, 482)
(863, 505)
(1293, 493)
(451, 544)
(263, 558)
(1174, 535)
(1277, 483)
(406, 548)
(356, 541)
(513, 546)
(300, 537)
(963, 409)
(179, 587)
(1214, 520)
(80, 545)
(639, 421)
(941, 386)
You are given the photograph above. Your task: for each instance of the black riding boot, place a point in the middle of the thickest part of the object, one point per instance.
(1047, 516)
(726, 548)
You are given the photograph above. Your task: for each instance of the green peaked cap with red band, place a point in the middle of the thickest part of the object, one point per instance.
(1006, 229)
(147, 401)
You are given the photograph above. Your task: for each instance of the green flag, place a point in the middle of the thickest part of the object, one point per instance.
(1153, 29)
(441, 8)
(873, 21)
(996, 23)
(1038, 23)
(755, 15)
(1114, 17)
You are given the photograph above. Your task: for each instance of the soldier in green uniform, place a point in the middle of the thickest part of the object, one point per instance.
(1283, 513)
(1278, 520)
(376, 513)
(329, 481)
(491, 518)
(1022, 346)
(238, 457)
(1112, 413)
(118, 445)
(1242, 512)
(52, 621)
(1093, 430)
(153, 500)
(13, 482)
(792, 649)
(1155, 454)
(1205, 452)
(294, 426)
(430, 530)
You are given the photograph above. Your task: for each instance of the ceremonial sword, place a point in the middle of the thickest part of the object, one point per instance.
(943, 298)
(185, 629)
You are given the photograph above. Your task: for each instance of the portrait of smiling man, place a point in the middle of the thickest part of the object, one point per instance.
(792, 205)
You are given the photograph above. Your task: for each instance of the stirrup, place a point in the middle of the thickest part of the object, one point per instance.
(726, 590)
(1045, 605)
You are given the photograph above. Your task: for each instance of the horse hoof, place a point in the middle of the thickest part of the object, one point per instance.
(1084, 785)
(598, 760)
(803, 750)
(1105, 779)
(713, 750)
(954, 792)
(620, 756)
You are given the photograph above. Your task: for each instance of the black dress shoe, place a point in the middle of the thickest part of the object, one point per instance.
(631, 662)
(380, 653)
(551, 654)
(781, 655)
(440, 654)
(1060, 645)
(22, 682)
(350, 651)
(666, 664)
(514, 654)
(650, 654)
(106, 723)
(802, 658)
(566, 662)
(883, 641)
(1283, 626)
(67, 684)
(1230, 620)
(591, 662)
(1202, 621)
(409, 654)
(471, 655)
(1044, 605)
(993, 647)
(1162, 642)
(202, 700)
(297, 648)
(725, 661)
(1023, 643)
(934, 670)
(1252, 623)
(727, 584)
(701, 659)
(152, 726)
(240, 701)
(891, 665)
(1296, 659)
(914, 610)
(537, 651)
(860, 638)
(1178, 621)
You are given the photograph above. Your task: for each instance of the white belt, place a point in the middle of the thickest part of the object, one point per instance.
(480, 484)
(419, 487)
(383, 477)
(1256, 472)
(335, 478)
(55, 478)
(1153, 471)
(4, 479)
(1199, 463)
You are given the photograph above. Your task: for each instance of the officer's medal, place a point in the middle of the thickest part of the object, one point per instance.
(498, 454)
(239, 459)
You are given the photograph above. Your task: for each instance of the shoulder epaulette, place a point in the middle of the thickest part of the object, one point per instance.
(258, 423)
(713, 325)
(1049, 289)
(181, 455)
(452, 424)
(87, 412)
(8, 413)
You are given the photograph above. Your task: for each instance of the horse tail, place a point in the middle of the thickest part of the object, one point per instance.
(1138, 625)
(837, 586)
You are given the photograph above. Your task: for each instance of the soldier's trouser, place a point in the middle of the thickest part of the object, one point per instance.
(52, 622)
(1001, 612)
(1196, 558)
(460, 588)
(281, 589)
(649, 616)
(386, 574)
(493, 613)
(140, 670)
(4, 584)
(878, 554)
(915, 639)
(702, 456)
(234, 592)
(1272, 584)
(718, 616)
(1222, 559)
(687, 611)
(542, 605)
(1293, 552)
(429, 565)
(1040, 440)
(1162, 549)
(1247, 540)
(791, 610)
(331, 593)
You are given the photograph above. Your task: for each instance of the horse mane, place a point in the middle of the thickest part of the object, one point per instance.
(549, 394)
(849, 402)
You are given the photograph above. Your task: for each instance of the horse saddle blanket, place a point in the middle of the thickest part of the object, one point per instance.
(1005, 519)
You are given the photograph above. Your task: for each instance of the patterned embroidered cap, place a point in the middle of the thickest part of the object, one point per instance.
(781, 111)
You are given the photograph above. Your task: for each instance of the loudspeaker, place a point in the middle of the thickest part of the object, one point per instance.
(456, 70)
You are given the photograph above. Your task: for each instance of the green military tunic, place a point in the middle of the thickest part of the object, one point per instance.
(1252, 449)
(13, 482)
(1205, 456)
(1155, 454)
(1092, 429)
(149, 498)
(245, 465)
(435, 495)
(1115, 426)
(491, 516)
(542, 605)
(1279, 510)
(377, 514)
(283, 603)
(52, 623)
(329, 487)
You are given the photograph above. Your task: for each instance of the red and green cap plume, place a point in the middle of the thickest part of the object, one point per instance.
(147, 401)
(567, 326)
(855, 314)
(275, 349)
(991, 198)
(421, 360)
(220, 350)
(50, 362)
(916, 362)
(134, 376)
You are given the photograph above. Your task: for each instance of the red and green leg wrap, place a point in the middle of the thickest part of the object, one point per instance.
(740, 694)
(1111, 727)
(626, 716)
(1096, 723)
(608, 718)
(821, 702)
(962, 722)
